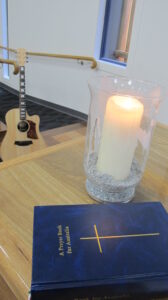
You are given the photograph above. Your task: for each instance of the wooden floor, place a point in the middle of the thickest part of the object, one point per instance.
(5, 291)
(62, 134)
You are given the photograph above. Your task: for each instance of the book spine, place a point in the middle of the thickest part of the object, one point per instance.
(146, 290)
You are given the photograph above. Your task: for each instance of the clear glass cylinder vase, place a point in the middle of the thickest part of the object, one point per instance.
(120, 124)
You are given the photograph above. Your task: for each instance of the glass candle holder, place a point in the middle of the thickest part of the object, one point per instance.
(120, 124)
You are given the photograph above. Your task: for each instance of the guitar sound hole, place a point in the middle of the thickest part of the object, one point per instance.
(23, 126)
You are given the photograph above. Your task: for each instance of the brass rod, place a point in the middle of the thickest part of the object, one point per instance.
(9, 49)
(10, 62)
(130, 25)
(120, 53)
(64, 56)
(126, 23)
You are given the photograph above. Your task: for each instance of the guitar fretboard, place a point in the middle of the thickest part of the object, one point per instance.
(22, 99)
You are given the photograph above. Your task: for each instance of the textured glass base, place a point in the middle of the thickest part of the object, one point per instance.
(123, 195)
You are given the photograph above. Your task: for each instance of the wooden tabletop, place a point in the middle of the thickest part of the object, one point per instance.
(55, 175)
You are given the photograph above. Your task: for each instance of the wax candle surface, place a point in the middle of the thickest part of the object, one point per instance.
(119, 136)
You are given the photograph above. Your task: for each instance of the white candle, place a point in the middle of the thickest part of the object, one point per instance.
(119, 136)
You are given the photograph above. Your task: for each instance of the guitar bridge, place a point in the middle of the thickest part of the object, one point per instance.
(23, 143)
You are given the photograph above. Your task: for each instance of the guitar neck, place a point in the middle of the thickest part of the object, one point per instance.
(22, 94)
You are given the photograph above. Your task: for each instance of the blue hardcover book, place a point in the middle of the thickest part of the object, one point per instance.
(100, 252)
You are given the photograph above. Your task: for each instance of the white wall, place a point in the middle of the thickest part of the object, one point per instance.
(149, 46)
(0, 23)
(75, 27)
(1, 67)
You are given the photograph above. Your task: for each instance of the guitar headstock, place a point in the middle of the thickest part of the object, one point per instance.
(21, 57)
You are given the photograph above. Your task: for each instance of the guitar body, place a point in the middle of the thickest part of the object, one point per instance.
(17, 143)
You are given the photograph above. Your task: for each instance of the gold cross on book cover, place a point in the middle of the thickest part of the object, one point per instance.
(98, 238)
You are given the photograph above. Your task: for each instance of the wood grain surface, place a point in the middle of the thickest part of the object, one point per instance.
(55, 175)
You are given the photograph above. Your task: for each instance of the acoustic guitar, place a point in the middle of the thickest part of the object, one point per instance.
(23, 135)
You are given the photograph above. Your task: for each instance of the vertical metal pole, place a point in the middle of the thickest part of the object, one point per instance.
(126, 26)
(4, 13)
